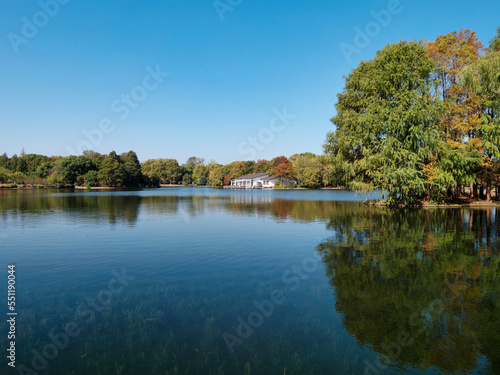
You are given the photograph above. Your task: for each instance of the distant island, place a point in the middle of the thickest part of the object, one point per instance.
(419, 122)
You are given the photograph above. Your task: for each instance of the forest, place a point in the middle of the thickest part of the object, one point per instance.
(93, 169)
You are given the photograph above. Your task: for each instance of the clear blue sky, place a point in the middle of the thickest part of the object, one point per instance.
(229, 70)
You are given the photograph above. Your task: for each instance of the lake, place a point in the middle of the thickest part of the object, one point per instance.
(203, 281)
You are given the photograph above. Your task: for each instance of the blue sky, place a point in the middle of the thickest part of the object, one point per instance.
(248, 80)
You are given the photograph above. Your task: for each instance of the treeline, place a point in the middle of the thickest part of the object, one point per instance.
(309, 170)
(421, 121)
(93, 169)
(90, 169)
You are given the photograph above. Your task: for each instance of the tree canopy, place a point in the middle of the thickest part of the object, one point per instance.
(420, 121)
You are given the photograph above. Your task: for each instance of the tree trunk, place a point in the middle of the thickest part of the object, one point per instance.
(449, 192)
(472, 188)
(488, 192)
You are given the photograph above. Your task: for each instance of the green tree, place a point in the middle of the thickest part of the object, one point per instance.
(309, 170)
(167, 170)
(387, 123)
(237, 169)
(216, 177)
(4, 160)
(5, 175)
(91, 178)
(200, 171)
(192, 161)
(495, 42)
(111, 173)
(187, 179)
(132, 168)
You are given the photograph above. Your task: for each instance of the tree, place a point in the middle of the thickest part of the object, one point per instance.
(484, 77)
(387, 123)
(309, 170)
(495, 42)
(167, 170)
(111, 172)
(193, 160)
(187, 180)
(71, 167)
(132, 168)
(91, 178)
(200, 171)
(284, 169)
(302, 164)
(451, 53)
(461, 118)
(5, 175)
(262, 166)
(216, 177)
(237, 169)
(43, 170)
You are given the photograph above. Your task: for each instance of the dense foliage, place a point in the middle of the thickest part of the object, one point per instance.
(94, 169)
(90, 169)
(421, 121)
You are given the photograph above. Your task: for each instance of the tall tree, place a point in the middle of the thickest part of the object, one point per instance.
(456, 163)
(386, 123)
(484, 77)
(192, 161)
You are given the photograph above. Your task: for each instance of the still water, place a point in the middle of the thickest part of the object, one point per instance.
(202, 281)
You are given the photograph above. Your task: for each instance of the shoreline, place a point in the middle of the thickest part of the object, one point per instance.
(468, 203)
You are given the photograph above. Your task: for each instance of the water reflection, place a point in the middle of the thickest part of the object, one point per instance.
(124, 207)
(420, 288)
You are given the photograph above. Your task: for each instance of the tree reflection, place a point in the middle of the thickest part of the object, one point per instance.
(419, 287)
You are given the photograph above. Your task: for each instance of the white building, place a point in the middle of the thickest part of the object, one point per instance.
(250, 181)
(268, 182)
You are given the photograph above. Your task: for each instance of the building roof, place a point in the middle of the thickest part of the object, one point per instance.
(250, 176)
(270, 178)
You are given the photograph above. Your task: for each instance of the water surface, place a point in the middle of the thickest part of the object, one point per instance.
(202, 281)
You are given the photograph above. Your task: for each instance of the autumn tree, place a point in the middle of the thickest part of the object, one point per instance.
(457, 161)
(262, 166)
(484, 77)
(284, 169)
